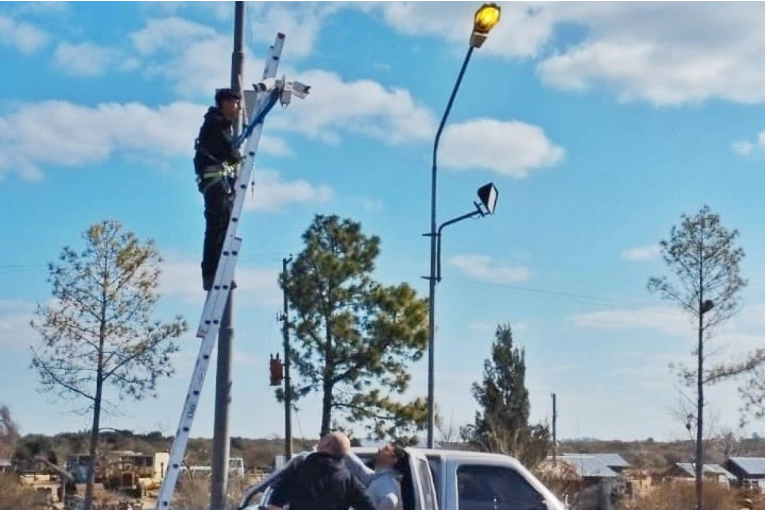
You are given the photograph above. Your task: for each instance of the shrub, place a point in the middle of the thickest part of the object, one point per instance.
(682, 496)
(13, 495)
(194, 493)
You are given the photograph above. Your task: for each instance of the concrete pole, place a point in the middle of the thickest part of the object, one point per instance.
(221, 434)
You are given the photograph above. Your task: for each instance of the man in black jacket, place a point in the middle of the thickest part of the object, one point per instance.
(215, 163)
(321, 481)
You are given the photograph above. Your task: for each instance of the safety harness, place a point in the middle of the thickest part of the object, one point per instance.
(220, 172)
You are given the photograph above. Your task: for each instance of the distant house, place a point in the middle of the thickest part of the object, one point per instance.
(588, 466)
(710, 472)
(588, 477)
(6, 466)
(748, 471)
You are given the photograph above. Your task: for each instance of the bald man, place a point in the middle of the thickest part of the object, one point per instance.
(321, 481)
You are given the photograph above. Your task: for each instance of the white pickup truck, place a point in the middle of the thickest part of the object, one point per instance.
(450, 480)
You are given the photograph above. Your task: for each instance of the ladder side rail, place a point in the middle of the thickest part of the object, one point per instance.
(193, 395)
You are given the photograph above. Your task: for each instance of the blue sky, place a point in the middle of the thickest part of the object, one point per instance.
(600, 123)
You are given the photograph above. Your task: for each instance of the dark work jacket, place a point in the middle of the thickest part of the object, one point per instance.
(214, 146)
(320, 482)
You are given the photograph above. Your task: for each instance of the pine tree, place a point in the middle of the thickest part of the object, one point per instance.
(502, 422)
(354, 336)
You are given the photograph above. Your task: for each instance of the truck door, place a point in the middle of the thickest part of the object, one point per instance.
(422, 481)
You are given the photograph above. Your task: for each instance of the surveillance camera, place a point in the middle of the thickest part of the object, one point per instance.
(264, 85)
(300, 89)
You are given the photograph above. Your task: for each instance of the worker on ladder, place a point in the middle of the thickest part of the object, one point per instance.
(216, 161)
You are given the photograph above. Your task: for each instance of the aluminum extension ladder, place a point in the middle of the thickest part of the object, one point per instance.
(258, 103)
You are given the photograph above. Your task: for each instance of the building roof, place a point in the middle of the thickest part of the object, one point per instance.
(715, 469)
(612, 460)
(750, 465)
(588, 466)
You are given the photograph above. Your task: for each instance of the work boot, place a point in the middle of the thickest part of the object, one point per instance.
(207, 282)
(233, 285)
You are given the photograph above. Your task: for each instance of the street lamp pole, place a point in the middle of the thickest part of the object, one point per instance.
(485, 19)
(433, 241)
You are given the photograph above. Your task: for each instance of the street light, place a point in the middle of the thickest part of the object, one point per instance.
(485, 18)
(487, 195)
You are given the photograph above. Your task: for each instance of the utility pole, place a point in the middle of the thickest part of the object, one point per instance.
(221, 434)
(554, 431)
(285, 318)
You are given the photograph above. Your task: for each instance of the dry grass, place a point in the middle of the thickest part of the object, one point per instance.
(194, 493)
(14, 496)
(682, 496)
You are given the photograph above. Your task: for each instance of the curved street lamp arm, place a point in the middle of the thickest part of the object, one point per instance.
(472, 214)
(449, 106)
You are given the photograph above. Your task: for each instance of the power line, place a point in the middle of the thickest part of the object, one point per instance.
(554, 293)
(23, 268)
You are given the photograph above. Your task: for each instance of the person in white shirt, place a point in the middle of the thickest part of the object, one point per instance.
(382, 482)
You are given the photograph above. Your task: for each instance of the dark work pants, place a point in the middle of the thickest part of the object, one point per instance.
(217, 215)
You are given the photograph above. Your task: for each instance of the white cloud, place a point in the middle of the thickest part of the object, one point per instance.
(510, 148)
(369, 204)
(188, 55)
(480, 267)
(73, 134)
(482, 326)
(663, 53)
(301, 22)
(731, 340)
(159, 34)
(219, 11)
(521, 32)
(193, 57)
(746, 147)
(754, 315)
(26, 38)
(743, 148)
(181, 277)
(667, 320)
(641, 253)
(364, 107)
(271, 193)
(41, 8)
(15, 331)
(83, 59)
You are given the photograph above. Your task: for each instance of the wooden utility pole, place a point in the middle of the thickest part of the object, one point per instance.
(287, 385)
